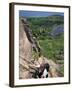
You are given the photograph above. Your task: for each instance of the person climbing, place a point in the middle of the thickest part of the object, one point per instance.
(42, 71)
(46, 70)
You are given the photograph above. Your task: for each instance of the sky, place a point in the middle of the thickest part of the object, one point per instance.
(38, 13)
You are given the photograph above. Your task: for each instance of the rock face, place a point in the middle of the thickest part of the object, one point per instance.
(25, 46)
(25, 49)
(26, 64)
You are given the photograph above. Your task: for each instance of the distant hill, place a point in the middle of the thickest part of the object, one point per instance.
(57, 30)
(52, 25)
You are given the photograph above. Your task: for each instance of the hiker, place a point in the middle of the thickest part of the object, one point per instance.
(42, 71)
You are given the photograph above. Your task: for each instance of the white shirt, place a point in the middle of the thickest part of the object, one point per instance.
(45, 73)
